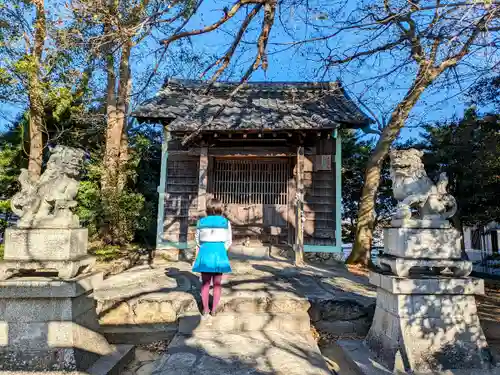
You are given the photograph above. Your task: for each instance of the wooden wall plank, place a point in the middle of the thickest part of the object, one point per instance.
(299, 230)
(319, 198)
(202, 182)
(181, 198)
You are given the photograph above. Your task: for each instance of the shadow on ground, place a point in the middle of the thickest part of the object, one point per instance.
(263, 326)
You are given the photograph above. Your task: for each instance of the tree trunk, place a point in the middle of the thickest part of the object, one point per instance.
(122, 171)
(36, 109)
(35, 130)
(124, 93)
(116, 111)
(366, 212)
(107, 173)
(116, 151)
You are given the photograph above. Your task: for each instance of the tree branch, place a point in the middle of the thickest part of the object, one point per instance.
(226, 59)
(382, 48)
(480, 26)
(228, 14)
(267, 23)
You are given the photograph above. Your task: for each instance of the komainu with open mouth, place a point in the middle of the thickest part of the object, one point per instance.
(413, 189)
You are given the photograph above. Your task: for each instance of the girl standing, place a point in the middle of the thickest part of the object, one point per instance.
(213, 240)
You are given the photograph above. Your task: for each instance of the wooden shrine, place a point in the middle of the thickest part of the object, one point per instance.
(272, 156)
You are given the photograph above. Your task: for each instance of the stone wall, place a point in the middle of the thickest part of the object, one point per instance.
(341, 317)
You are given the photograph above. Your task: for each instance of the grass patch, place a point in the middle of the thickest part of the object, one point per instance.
(2, 246)
(107, 253)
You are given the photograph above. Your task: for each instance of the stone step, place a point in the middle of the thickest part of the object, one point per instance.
(261, 322)
(250, 304)
(149, 308)
(247, 353)
(113, 363)
(168, 307)
(137, 334)
(238, 252)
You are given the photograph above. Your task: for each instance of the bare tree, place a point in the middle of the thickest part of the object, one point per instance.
(429, 38)
(420, 43)
(249, 9)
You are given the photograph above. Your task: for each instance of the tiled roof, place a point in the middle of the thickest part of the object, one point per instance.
(257, 106)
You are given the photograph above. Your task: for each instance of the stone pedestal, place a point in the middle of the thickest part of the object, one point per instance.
(427, 324)
(427, 243)
(49, 325)
(38, 249)
(434, 249)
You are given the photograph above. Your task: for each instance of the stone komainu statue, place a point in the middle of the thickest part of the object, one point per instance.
(412, 189)
(47, 203)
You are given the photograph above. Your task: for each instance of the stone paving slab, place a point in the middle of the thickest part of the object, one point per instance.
(257, 287)
(250, 353)
(140, 280)
(244, 322)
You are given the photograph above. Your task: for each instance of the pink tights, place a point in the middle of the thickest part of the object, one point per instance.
(206, 279)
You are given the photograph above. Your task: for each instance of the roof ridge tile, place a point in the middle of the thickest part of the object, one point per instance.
(285, 105)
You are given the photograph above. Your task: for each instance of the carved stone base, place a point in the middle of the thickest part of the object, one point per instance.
(45, 244)
(66, 269)
(401, 267)
(49, 325)
(423, 243)
(428, 325)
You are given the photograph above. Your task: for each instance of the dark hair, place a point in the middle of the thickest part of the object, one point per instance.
(215, 207)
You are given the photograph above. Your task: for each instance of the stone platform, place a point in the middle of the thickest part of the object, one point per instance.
(428, 324)
(239, 252)
(263, 325)
(65, 269)
(159, 300)
(51, 324)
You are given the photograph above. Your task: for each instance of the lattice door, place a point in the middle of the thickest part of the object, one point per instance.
(255, 191)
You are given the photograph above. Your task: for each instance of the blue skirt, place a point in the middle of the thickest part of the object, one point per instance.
(212, 257)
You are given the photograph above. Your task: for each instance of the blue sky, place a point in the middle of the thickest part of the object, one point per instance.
(297, 65)
(294, 64)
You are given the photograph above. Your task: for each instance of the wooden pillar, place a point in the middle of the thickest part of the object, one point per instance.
(299, 225)
(162, 188)
(338, 190)
(203, 181)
